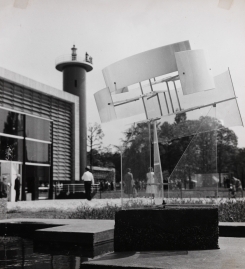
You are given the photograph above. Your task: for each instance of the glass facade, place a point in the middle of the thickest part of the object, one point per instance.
(42, 130)
(37, 152)
(11, 123)
(27, 140)
(41, 106)
(11, 149)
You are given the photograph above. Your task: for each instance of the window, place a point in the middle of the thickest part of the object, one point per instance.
(11, 149)
(11, 123)
(37, 128)
(37, 152)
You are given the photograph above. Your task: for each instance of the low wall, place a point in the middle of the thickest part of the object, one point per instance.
(179, 228)
(3, 208)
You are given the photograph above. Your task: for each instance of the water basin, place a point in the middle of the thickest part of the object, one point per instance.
(18, 252)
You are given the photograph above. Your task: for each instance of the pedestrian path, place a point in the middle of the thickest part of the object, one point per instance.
(230, 255)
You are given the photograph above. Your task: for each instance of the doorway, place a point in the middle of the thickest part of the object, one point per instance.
(11, 169)
(37, 182)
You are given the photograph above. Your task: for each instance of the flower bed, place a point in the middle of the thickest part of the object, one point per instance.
(230, 210)
(3, 208)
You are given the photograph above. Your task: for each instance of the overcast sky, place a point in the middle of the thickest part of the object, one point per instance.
(34, 33)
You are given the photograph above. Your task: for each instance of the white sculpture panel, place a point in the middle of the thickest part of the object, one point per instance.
(194, 74)
(143, 66)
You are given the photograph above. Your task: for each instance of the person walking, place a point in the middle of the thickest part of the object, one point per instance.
(129, 182)
(17, 188)
(88, 179)
(151, 188)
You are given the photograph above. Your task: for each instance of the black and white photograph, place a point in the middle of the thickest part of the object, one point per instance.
(122, 140)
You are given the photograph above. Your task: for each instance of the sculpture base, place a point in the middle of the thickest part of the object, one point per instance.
(166, 229)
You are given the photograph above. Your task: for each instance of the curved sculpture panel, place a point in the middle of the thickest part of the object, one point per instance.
(143, 66)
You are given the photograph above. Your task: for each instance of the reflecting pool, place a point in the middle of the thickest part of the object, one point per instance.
(17, 252)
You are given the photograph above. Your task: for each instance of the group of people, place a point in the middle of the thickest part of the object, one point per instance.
(4, 187)
(106, 185)
(235, 185)
(130, 186)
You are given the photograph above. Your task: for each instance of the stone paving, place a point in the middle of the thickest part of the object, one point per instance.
(231, 255)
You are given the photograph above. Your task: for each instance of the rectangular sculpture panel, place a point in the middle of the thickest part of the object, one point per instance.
(194, 73)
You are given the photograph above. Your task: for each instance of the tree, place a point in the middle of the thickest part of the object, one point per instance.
(94, 140)
(240, 165)
(137, 147)
(227, 150)
(187, 147)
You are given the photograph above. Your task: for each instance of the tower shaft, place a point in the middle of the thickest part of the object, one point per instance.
(74, 82)
(74, 70)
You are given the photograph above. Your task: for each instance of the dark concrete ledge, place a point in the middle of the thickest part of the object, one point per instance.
(78, 231)
(232, 229)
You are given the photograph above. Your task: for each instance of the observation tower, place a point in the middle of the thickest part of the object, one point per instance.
(74, 70)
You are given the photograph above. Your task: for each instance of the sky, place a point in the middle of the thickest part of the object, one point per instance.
(33, 33)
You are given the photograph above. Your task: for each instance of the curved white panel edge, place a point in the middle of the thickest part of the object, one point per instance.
(143, 66)
(194, 74)
(106, 111)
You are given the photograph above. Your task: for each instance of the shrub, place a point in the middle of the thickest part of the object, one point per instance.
(106, 212)
(230, 210)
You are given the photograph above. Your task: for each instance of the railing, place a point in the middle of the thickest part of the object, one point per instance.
(74, 188)
(76, 58)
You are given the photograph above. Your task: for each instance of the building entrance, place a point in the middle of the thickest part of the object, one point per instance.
(10, 170)
(37, 182)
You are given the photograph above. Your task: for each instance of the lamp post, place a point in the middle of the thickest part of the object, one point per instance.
(121, 152)
(121, 149)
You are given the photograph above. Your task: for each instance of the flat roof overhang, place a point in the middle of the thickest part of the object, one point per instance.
(62, 65)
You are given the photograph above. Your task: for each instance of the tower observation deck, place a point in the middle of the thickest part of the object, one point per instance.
(74, 69)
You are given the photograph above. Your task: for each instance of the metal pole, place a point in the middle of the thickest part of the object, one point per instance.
(143, 100)
(150, 140)
(121, 181)
(51, 183)
(166, 101)
(170, 97)
(23, 193)
(177, 94)
(216, 163)
(157, 98)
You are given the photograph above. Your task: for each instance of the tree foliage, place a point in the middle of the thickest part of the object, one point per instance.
(137, 153)
(187, 147)
(94, 140)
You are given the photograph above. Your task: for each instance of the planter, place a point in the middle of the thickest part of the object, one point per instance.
(184, 228)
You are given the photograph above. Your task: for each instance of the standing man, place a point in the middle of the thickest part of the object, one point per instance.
(17, 188)
(88, 179)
